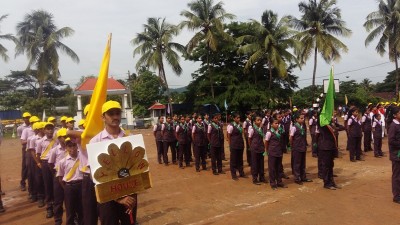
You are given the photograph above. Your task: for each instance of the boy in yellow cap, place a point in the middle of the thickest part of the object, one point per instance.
(26, 133)
(70, 122)
(114, 212)
(26, 125)
(81, 124)
(63, 121)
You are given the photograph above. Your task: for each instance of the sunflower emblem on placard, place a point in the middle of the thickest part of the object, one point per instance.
(121, 162)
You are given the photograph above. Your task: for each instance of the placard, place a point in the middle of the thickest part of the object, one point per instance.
(119, 167)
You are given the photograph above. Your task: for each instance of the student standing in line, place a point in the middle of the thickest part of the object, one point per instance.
(246, 125)
(394, 150)
(181, 136)
(175, 121)
(206, 122)
(377, 131)
(168, 136)
(159, 140)
(199, 137)
(236, 147)
(214, 133)
(188, 149)
(299, 147)
(367, 129)
(26, 125)
(312, 123)
(265, 123)
(36, 164)
(273, 149)
(256, 140)
(355, 135)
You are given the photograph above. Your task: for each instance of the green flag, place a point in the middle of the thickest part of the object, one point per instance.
(327, 111)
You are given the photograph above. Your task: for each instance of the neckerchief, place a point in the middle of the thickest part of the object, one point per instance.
(300, 127)
(280, 129)
(200, 126)
(378, 122)
(168, 126)
(216, 127)
(238, 127)
(184, 127)
(259, 131)
(277, 134)
(207, 122)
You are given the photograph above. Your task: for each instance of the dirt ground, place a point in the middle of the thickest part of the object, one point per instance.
(187, 197)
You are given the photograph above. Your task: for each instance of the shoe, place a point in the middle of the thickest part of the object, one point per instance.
(320, 177)
(166, 164)
(2, 209)
(263, 181)
(23, 188)
(221, 172)
(307, 180)
(360, 159)
(353, 160)
(298, 182)
(181, 167)
(285, 176)
(330, 187)
(256, 182)
(224, 160)
(197, 170)
(314, 156)
(377, 156)
(49, 214)
(396, 200)
(41, 203)
(282, 185)
(215, 173)
(33, 199)
(337, 187)
(274, 187)
(244, 175)
(235, 178)
(334, 175)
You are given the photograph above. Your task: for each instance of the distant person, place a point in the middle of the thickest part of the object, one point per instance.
(394, 150)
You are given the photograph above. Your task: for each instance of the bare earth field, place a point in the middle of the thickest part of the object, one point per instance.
(187, 197)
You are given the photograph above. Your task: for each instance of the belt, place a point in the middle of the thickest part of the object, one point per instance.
(74, 182)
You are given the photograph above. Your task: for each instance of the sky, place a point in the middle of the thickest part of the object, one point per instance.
(93, 20)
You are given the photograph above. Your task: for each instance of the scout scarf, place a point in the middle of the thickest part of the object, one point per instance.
(238, 127)
(168, 126)
(277, 134)
(71, 173)
(184, 126)
(300, 127)
(259, 131)
(200, 126)
(46, 151)
(216, 127)
(280, 129)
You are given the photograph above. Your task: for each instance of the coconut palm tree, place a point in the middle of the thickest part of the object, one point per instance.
(385, 25)
(269, 44)
(10, 37)
(40, 39)
(155, 45)
(319, 24)
(207, 20)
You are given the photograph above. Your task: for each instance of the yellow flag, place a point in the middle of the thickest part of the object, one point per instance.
(346, 101)
(94, 123)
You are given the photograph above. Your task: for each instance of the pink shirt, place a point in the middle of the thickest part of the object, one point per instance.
(155, 127)
(268, 135)
(56, 155)
(66, 164)
(350, 121)
(21, 128)
(30, 143)
(376, 122)
(27, 133)
(42, 145)
(292, 130)
(250, 131)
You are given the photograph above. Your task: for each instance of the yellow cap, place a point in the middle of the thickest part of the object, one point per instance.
(35, 126)
(26, 114)
(369, 104)
(67, 139)
(63, 118)
(48, 124)
(110, 105)
(51, 119)
(70, 119)
(62, 132)
(395, 103)
(41, 125)
(34, 119)
(387, 103)
(86, 109)
(81, 122)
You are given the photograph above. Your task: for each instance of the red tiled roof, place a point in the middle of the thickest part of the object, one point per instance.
(90, 83)
(157, 105)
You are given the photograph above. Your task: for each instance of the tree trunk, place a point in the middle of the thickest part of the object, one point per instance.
(41, 87)
(209, 71)
(165, 83)
(270, 75)
(397, 77)
(314, 72)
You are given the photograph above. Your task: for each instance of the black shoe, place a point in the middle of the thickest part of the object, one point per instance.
(314, 155)
(215, 173)
(41, 203)
(2, 209)
(396, 200)
(285, 176)
(282, 185)
(244, 175)
(181, 167)
(334, 175)
(360, 159)
(49, 214)
(274, 187)
(197, 170)
(298, 182)
(263, 181)
(166, 164)
(330, 187)
(307, 180)
(256, 182)
(353, 160)
(221, 172)
(337, 187)
(23, 188)
(235, 178)
(33, 199)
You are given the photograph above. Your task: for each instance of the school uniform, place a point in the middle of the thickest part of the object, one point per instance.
(35, 189)
(221, 124)
(326, 153)
(345, 119)
(43, 148)
(283, 145)
(183, 141)
(216, 143)
(246, 126)
(159, 143)
(175, 123)
(205, 124)
(377, 125)
(69, 171)
(168, 136)
(39, 183)
(312, 126)
(26, 132)
(200, 145)
(265, 124)
(286, 121)
(236, 146)
(394, 151)
(355, 135)
(274, 157)
(299, 148)
(257, 154)
(56, 155)
(89, 201)
(367, 129)
(112, 213)
(189, 146)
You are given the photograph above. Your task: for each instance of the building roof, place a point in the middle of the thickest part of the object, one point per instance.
(113, 87)
(386, 95)
(157, 105)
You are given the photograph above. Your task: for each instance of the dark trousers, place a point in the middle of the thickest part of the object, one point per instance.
(58, 201)
(24, 169)
(31, 167)
(167, 145)
(236, 161)
(113, 213)
(299, 165)
(326, 159)
(160, 150)
(284, 142)
(248, 152)
(348, 141)
(73, 202)
(223, 151)
(48, 184)
(314, 145)
(200, 154)
(355, 147)
(274, 167)
(367, 141)
(188, 152)
(378, 146)
(184, 154)
(89, 202)
(216, 159)
(396, 179)
(257, 166)
(39, 183)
